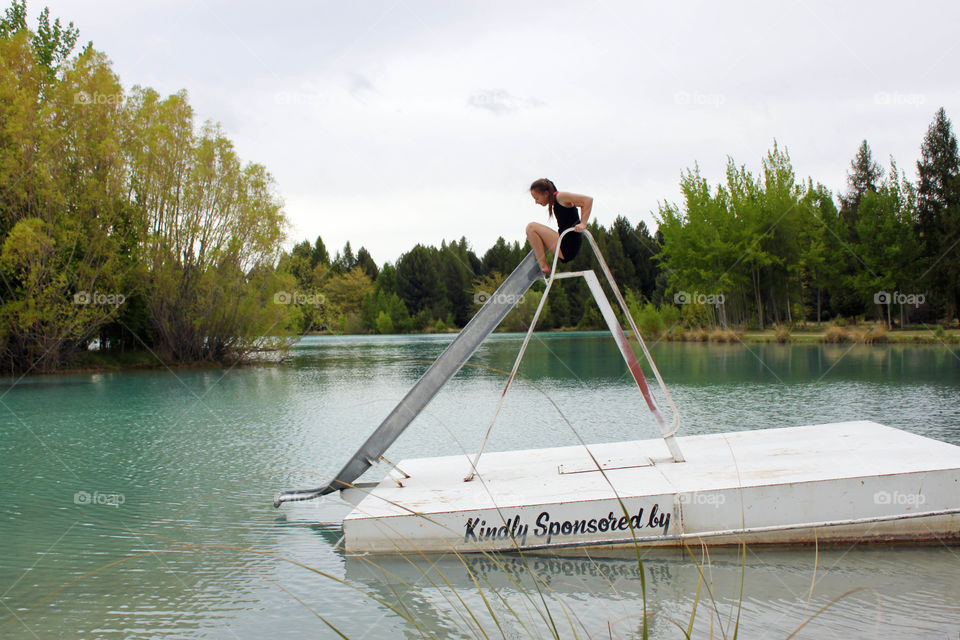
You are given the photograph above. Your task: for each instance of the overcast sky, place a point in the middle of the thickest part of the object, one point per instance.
(393, 122)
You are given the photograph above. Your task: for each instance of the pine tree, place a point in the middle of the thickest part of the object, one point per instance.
(502, 257)
(345, 261)
(365, 262)
(418, 281)
(864, 175)
(938, 210)
(319, 255)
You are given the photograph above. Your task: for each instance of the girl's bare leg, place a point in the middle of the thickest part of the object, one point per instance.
(542, 239)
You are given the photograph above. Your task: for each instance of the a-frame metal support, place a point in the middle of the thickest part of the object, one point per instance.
(667, 431)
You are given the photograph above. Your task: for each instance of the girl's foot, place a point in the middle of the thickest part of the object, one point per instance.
(544, 268)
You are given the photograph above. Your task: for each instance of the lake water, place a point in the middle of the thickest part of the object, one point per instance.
(138, 503)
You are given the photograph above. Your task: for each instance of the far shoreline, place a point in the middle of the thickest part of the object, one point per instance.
(95, 362)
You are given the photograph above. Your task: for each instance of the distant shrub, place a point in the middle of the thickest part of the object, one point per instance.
(675, 334)
(591, 318)
(670, 316)
(384, 323)
(724, 335)
(696, 316)
(351, 323)
(836, 335)
(873, 335)
(652, 321)
(649, 320)
(876, 334)
(782, 334)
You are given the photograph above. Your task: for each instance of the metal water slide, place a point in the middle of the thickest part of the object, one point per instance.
(446, 366)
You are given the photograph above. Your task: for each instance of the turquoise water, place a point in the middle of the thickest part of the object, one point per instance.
(138, 503)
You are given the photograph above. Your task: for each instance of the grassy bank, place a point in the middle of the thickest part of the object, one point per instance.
(868, 334)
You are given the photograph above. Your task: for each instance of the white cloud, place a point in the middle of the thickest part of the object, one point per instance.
(501, 102)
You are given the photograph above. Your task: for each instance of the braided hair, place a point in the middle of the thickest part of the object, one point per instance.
(543, 185)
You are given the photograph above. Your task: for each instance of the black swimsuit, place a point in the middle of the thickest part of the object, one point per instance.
(568, 217)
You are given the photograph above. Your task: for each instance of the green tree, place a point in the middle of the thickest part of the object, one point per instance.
(52, 43)
(518, 319)
(521, 315)
(938, 210)
(299, 264)
(558, 306)
(365, 262)
(63, 215)
(639, 249)
(864, 176)
(611, 245)
(419, 284)
(319, 254)
(384, 323)
(119, 221)
(455, 272)
(345, 293)
(387, 279)
(888, 247)
(819, 247)
(214, 232)
(503, 256)
(344, 261)
(740, 241)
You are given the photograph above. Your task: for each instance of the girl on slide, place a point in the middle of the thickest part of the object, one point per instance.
(562, 206)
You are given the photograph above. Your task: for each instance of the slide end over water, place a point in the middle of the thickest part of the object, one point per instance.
(305, 494)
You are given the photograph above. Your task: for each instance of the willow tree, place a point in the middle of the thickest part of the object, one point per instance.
(107, 197)
(61, 201)
(214, 230)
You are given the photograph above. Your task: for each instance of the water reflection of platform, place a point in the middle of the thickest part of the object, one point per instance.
(827, 483)
(870, 591)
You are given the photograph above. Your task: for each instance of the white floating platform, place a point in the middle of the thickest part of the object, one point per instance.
(850, 481)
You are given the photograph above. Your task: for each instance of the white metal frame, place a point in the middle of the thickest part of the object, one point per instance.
(667, 431)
